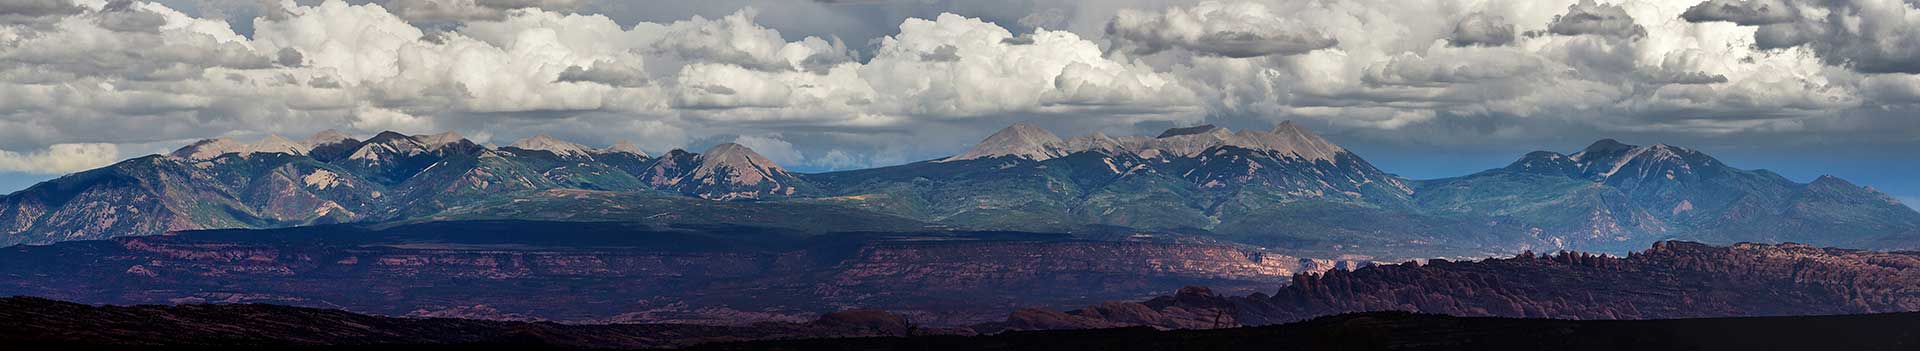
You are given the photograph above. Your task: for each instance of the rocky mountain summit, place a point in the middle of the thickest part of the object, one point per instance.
(557, 147)
(732, 171)
(1025, 140)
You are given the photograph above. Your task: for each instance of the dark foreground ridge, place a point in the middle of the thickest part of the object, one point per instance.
(1410, 331)
(1671, 280)
(35, 323)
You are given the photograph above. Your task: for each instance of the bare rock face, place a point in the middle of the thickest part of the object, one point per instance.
(1670, 280)
(1019, 140)
(731, 165)
(727, 171)
(1192, 307)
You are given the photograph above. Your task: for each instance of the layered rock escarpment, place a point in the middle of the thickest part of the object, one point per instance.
(1670, 280)
(609, 272)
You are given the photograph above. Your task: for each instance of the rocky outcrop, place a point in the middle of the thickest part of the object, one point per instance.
(1670, 280)
(1410, 331)
(732, 171)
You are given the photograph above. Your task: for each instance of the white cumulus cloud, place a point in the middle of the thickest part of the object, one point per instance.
(934, 77)
(1238, 29)
(60, 158)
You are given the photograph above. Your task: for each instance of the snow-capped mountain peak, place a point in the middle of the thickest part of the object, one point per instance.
(1188, 141)
(1292, 139)
(436, 141)
(1020, 139)
(384, 144)
(1031, 142)
(1199, 129)
(278, 144)
(329, 136)
(1614, 161)
(624, 146)
(547, 143)
(1092, 142)
(208, 149)
(388, 144)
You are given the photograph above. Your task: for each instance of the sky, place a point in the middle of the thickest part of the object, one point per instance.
(1424, 89)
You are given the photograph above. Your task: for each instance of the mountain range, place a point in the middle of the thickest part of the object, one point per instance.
(1287, 189)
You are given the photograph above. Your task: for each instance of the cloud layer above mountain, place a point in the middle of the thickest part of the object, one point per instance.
(78, 78)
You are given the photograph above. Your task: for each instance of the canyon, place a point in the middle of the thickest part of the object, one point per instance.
(616, 273)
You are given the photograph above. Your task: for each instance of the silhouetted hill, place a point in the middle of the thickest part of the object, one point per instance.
(35, 324)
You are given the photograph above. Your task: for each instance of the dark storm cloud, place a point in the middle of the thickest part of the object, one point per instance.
(1589, 18)
(944, 53)
(1238, 30)
(1481, 29)
(1868, 36)
(1661, 76)
(120, 16)
(35, 11)
(1743, 12)
(608, 73)
(469, 10)
(289, 57)
(38, 8)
